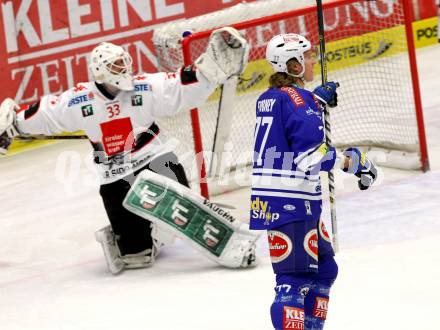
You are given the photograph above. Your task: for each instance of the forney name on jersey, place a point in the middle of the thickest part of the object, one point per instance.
(266, 105)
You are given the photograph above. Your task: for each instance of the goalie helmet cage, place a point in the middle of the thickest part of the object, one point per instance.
(369, 50)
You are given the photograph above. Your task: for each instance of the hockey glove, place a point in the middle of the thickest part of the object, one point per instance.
(8, 128)
(327, 93)
(362, 167)
(226, 55)
(5, 142)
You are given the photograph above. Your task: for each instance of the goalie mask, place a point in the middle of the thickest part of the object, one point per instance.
(111, 64)
(284, 47)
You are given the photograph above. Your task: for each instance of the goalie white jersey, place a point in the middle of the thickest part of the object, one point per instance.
(122, 128)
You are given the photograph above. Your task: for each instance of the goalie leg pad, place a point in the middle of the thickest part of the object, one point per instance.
(178, 211)
(8, 116)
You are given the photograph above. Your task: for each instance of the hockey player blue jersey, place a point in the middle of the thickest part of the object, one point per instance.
(289, 152)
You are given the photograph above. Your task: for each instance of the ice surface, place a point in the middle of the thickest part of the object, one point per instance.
(53, 275)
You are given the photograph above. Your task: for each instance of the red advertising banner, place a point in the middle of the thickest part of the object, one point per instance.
(427, 8)
(45, 44)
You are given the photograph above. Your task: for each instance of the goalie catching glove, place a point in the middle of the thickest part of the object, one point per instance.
(362, 167)
(225, 56)
(8, 129)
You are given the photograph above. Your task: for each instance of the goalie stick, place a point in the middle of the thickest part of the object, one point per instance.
(328, 140)
(50, 137)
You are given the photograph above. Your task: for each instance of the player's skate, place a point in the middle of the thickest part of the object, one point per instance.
(112, 255)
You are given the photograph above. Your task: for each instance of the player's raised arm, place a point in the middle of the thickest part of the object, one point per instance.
(225, 56)
(50, 115)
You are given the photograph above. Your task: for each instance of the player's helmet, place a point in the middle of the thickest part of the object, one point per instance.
(284, 47)
(112, 65)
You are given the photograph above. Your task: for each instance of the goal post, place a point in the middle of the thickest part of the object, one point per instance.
(370, 52)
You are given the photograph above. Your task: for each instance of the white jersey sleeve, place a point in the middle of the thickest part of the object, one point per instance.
(51, 115)
(172, 94)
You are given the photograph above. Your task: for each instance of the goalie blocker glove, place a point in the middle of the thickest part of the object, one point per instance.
(225, 56)
(327, 93)
(362, 167)
(8, 128)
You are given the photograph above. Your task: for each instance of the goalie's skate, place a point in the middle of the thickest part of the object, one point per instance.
(112, 255)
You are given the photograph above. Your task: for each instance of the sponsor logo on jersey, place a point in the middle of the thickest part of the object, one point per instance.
(294, 96)
(310, 111)
(79, 88)
(293, 318)
(265, 105)
(289, 207)
(171, 75)
(117, 136)
(280, 246)
(308, 207)
(261, 210)
(321, 307)
(224, 214)
(87, 110)
(136, 100)
(142, 88)
(311, 244)
(80, 99)
(138, 78)
(323, 231)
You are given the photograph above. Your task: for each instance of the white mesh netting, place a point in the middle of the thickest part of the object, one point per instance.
(366, 51)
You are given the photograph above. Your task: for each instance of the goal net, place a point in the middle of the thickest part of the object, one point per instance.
(369, 51)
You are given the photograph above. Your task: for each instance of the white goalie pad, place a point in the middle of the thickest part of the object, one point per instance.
(7, 117)
(225, 56)
(178, 211)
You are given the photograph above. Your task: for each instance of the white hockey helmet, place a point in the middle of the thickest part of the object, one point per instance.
(284, 47)
(112, 64)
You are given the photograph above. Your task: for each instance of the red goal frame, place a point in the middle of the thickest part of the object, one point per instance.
(409, 17)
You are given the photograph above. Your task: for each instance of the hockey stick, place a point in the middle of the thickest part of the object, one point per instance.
(49, 137)
(328, 139)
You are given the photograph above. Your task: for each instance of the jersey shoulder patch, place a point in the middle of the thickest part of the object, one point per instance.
(141, 83)
(294, 96)
(81, 93)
